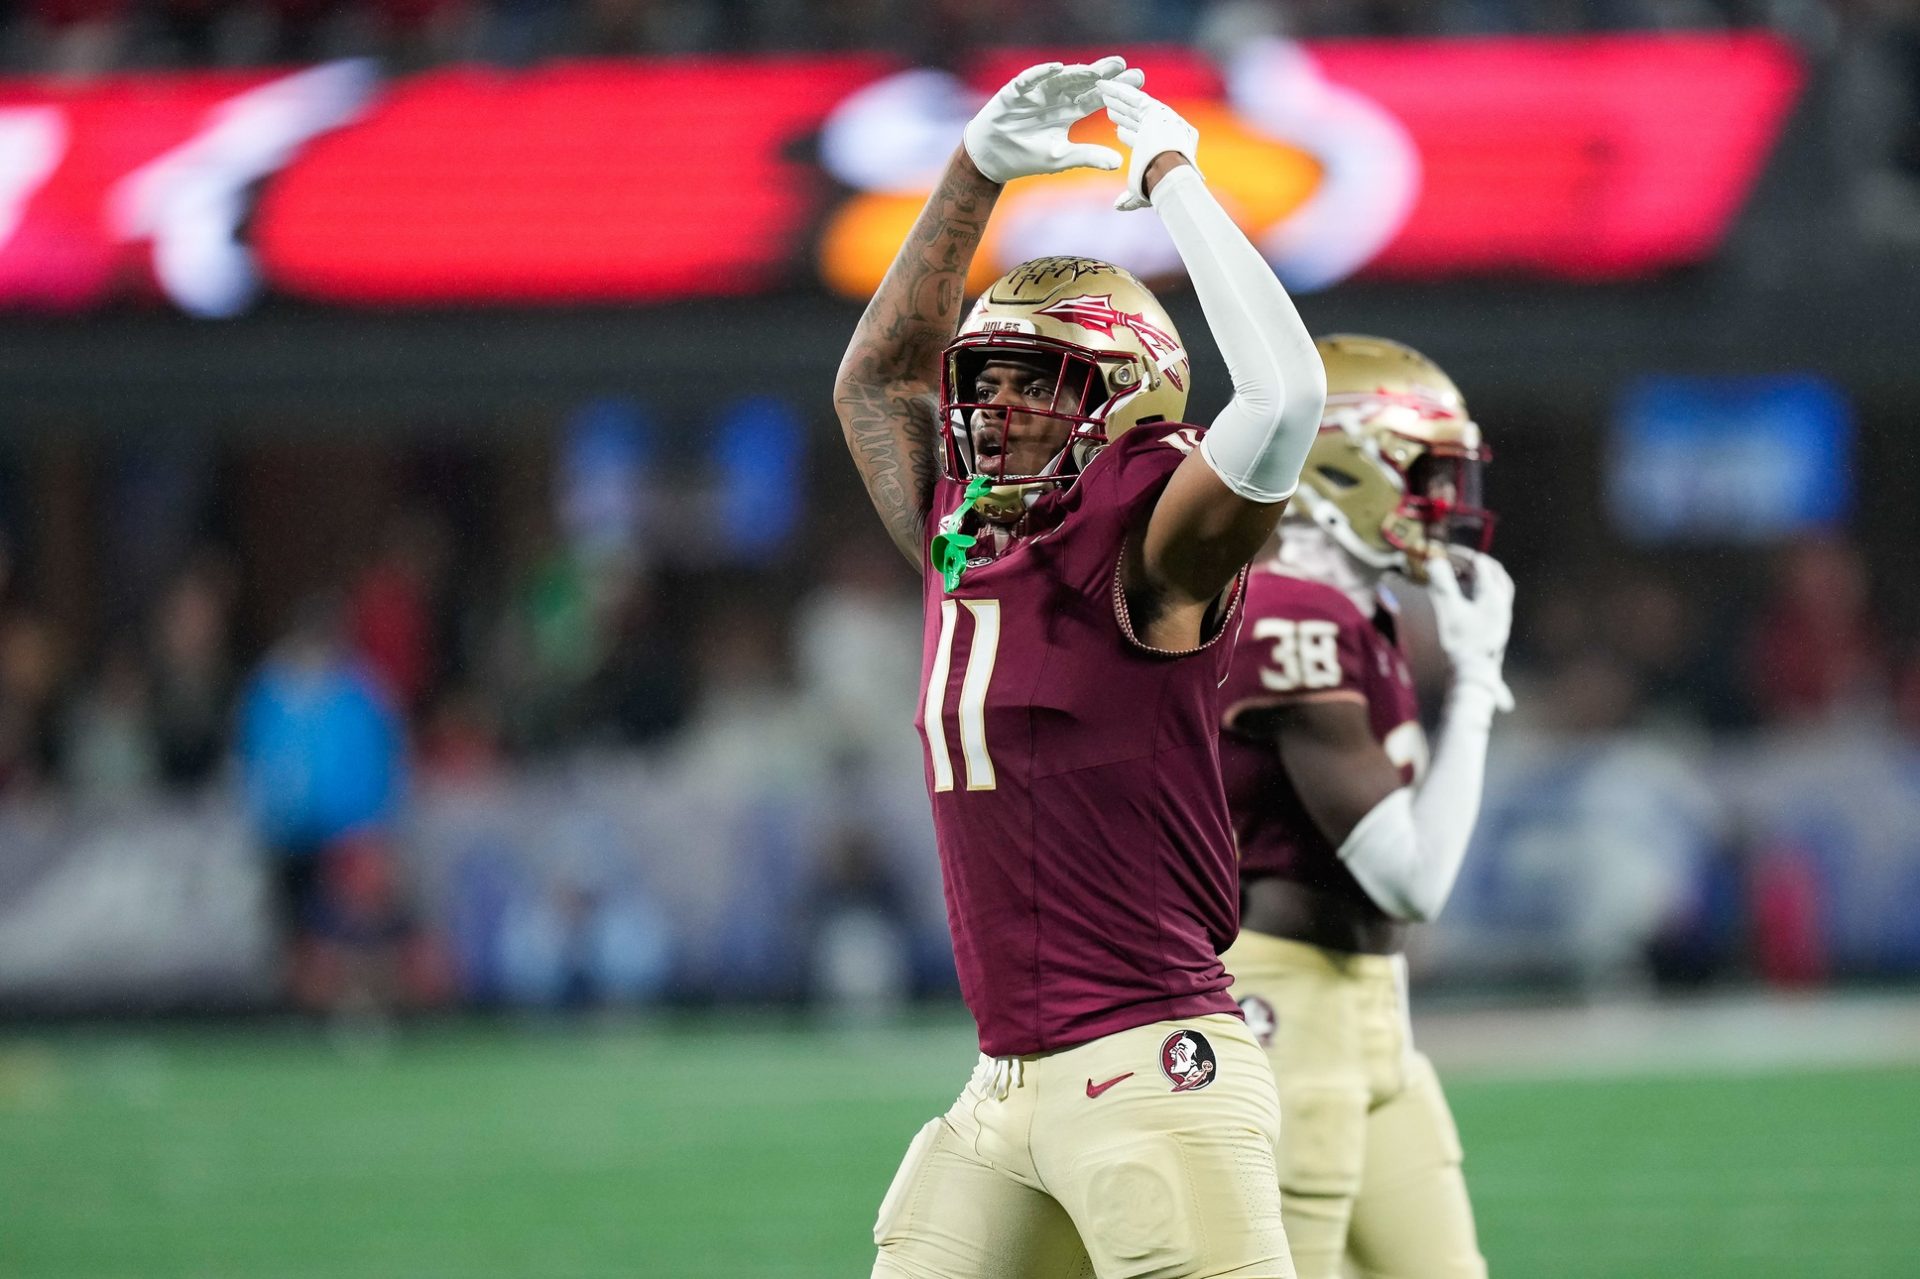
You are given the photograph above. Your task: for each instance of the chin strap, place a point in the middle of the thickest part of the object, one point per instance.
(948, 551)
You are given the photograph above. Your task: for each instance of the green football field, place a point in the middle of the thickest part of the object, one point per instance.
(712, 1151)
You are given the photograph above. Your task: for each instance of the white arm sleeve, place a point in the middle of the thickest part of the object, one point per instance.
(1260, 440)
(1407, 851)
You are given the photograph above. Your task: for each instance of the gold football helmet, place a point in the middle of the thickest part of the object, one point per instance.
(1114, 357)
(1394, 475)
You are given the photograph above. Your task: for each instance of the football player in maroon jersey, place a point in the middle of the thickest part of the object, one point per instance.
(1083, 553)
(1346, 831)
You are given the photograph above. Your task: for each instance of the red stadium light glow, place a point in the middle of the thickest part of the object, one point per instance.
(646, 181)
(604, 181)
(1598, 159)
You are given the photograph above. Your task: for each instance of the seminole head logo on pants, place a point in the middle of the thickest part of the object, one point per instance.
(1187, 1059)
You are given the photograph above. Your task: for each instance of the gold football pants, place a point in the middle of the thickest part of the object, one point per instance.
(1369, 1155)
(1136, 1156)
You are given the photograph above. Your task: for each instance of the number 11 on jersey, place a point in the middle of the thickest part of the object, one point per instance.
(973, 695)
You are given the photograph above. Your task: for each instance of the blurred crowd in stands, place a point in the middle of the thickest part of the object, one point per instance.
(1639, 649)
(755, 713)
(418, 677)
(88, 37)
(433, 663)
(412, 666)
(409, 660)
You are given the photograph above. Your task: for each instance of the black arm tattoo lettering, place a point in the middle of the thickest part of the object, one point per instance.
(889, 379)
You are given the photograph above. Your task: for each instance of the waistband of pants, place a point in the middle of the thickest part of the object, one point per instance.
(1258, 951)
(1005, 1074)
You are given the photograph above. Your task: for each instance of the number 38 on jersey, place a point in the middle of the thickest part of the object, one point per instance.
(1305, 654)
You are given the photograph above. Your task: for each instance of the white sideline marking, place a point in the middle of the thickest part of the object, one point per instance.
(1755, 1033)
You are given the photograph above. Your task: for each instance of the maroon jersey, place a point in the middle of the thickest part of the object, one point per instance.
(1085, 846)
(1301, 640)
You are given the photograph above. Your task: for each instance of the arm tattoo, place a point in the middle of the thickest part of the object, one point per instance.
(890, 376)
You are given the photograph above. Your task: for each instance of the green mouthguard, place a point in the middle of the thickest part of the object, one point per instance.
(950, 546)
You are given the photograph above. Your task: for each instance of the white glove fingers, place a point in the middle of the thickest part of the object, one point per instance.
(1067, 96)
(1023, 130)
(1078, 76)
(1491, 571)
(1092, 100)
(1441, 579)
(1093, 157)
(1492, 588)
(1033, 76)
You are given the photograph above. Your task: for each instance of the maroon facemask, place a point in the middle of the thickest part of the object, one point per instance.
(978, 434)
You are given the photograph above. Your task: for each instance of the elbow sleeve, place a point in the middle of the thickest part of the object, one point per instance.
(1383, 854)
(1407, 851)
(1260, 441)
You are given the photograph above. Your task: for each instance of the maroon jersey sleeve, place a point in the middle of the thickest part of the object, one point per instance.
(1150, 457)
(1143, 460)
(1117, 494)
(1299, 641)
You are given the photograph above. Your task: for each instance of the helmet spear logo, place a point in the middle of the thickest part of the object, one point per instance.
(1099, 315)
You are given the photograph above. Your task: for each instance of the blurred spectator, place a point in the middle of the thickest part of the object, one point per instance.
(460, 738)
(1595, 694)
(29, 678)
(1877, 71)
(862, 948)
(591, 939)
(193, 675)
(394, 609)
(371, 955)
(638, 692)
(411, 34)
(1816, 646)
(837, 24)
(323, 759)
(611, 27)
(1903, 46)
(1660, 635)
(1788, 947)
(190, 30)
(749, 730)
(545, 646)
(110, 752)
(1603, 838)
(518, 32)
(298, 29)
(80, 39)
(1906, 697)
(857, 645)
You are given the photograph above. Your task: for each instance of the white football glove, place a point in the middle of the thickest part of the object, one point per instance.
(1022, 131)
(1151, 128)
(1473, 632)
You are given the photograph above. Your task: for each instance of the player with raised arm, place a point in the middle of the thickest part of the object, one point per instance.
(1346, 832)
(1082, 552)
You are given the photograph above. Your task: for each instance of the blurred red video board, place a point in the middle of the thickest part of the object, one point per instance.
(658, 179)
